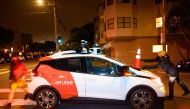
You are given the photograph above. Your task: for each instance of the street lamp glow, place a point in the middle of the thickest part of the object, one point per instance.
(40, 2)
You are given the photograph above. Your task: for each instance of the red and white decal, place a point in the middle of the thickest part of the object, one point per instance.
(60, 80)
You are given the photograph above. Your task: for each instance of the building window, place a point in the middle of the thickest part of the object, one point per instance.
(105, 26)
(124, 22)
(158, 1)
(102, 35)
(134, 22)
(111, 23)
(173, 0)
(134, 2)
(109, 2)
(123, 1)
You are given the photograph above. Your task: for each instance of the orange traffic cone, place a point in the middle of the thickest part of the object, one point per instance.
(138, 59)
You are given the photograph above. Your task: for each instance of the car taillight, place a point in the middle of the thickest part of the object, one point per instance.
(35, 73)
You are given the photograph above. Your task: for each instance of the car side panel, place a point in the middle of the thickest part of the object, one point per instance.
(106, 87)
(37, 82)
(79, 79)
(62, 81)
(138, 81)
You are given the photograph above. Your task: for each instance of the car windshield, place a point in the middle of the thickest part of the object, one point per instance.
(119, 61)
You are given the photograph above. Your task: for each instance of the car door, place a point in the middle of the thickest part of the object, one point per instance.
(66, 76)
(103, 80)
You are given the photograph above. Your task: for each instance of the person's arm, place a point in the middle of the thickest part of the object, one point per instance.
(151, 66)
(11, 76)
(24, 70)
(151, 60)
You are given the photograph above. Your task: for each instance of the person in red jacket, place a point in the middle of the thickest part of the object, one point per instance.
(18, 72)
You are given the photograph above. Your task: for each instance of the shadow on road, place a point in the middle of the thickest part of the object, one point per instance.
(86, 105)
(82, 105)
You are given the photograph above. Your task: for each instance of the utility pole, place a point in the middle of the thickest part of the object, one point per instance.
(41, 3)
(163, 29)
(55, 24)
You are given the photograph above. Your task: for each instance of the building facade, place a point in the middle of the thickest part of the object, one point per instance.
(126, 25)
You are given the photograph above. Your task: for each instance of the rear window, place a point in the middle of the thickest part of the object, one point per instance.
(49, 63)
(68, 64)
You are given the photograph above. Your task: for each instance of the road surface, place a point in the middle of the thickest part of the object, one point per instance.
(179, 102)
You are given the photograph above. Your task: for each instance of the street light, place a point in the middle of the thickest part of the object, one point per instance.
(41, 3)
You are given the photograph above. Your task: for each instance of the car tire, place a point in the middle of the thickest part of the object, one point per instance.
(141, 98)
(47, 99)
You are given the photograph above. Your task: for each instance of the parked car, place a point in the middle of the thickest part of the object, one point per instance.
(2, 60)
(22, 58)
(183, 65)
(67, 75)
(7, 59)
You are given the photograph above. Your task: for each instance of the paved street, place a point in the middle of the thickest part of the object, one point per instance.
(179, 102)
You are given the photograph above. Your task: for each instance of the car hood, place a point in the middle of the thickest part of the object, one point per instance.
(144, 73)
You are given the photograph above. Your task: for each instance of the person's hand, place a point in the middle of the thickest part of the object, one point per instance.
(143, 68)
(10, 81)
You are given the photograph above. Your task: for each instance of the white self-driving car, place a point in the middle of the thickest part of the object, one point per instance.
(67, 75)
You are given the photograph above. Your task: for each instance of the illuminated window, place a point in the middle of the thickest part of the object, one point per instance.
(111, 23)
(124, 22)
(134, 22)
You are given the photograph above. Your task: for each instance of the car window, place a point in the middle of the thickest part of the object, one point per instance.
(49, 63)
(69, 64)
(101, 67)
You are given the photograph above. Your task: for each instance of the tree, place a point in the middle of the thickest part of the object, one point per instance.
(86, 32)
(26, 39)
(43, 47)
(178, 23)
(6, 35)
(49, 46)
(36, 47)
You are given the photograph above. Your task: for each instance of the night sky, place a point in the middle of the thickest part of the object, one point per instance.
(24, 16)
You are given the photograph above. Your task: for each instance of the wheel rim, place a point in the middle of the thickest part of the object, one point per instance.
(47, 99)
(142, 99)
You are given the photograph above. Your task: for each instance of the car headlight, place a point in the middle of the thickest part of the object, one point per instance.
(158, 81)
(162, 88)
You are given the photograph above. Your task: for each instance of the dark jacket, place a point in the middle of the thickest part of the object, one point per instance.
(165, 63)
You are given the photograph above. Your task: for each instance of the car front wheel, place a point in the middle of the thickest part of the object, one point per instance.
(142, 98)
(47, 99)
